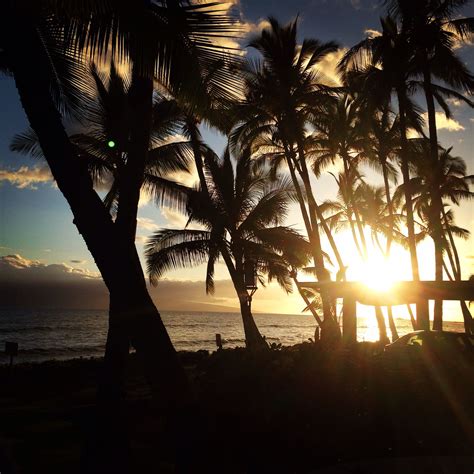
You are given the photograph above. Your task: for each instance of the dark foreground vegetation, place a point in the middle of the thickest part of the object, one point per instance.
(298, 409)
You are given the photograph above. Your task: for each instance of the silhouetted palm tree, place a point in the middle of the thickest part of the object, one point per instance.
(241, 218)
(380, 151)
(175, 43)
(386, 62)
(339, 137)
(105, 143)
(283, 93)
(453, 185)
(434, 28)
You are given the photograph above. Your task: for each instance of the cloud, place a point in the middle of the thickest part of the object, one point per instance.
(26, 284)
(444, 123)
(26, 177)
(15, 268)
(328, 67)
(174, 218)
(147, 224)
(455, 102)
(141, 239)
(254, 28)
(31, 284)
(370, 33)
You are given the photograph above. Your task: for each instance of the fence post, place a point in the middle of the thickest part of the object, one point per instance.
(349, 319)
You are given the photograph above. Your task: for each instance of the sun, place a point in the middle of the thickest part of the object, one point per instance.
(376, 273)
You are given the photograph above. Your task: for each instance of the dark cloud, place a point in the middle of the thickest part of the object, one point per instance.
(31, 284)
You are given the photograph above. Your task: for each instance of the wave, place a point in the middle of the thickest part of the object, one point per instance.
(62, 350)
(10, 330)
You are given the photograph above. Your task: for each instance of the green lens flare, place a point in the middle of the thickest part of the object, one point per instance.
(111, 144)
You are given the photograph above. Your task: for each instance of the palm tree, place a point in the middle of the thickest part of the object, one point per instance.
(339, 136)
(433, 29)
(453, 184)
(104, 144)
(158, 38)
(283, 93)
(241, 219)
(386, 63)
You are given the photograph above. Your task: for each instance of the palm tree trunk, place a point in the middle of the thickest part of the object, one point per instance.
(467, 316)
(118, 266)
(253, 339)
(388, 198)
(436, 202)
(331, 326)
(391, 322)
(306, 300)
(381, 324)
(314, 208)
(141, 102)
(422, 315)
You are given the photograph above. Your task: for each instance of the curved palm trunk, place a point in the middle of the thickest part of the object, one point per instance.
(388, 198)
(352, 204)
(436, 202)
(391, 323)
(116, 262)
(422, 314)
(391, 213)
(331, 330)
(315, 210)
(313, 235)
(381, 325)
(253, 339)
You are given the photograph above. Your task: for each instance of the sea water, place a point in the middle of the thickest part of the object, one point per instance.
(66, 334)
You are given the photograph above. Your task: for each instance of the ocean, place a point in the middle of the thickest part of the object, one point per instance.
(64, 334)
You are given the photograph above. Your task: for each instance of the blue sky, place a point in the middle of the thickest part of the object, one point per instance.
(35, 221)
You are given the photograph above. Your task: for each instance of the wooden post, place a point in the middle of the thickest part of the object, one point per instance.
(349, 319)
(219, 341)
(422, 314)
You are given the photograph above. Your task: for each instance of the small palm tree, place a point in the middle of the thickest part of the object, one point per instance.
(452, 185)
(241, 224)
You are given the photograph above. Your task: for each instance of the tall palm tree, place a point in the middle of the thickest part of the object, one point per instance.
(241, 219)
(386, 61)
(433, 29)
(283, 92)
(157, 37)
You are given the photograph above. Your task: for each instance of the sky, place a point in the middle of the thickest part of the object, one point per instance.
(40, 247)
